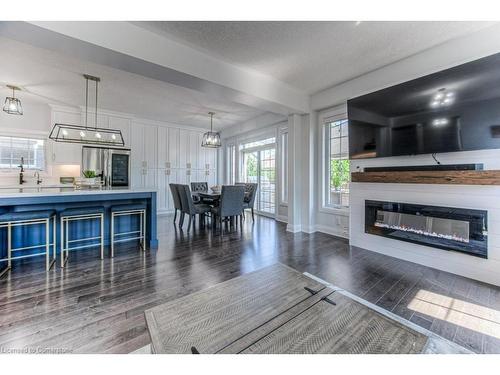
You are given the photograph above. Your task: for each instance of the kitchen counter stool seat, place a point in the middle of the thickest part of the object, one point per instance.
(128, 210)
(11, 220)
(74, 215)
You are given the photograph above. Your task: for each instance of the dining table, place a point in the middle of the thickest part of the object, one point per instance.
(206, 195)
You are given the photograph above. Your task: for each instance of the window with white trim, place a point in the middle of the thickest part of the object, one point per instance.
(231, 164)
(31, 150)
(337, 163)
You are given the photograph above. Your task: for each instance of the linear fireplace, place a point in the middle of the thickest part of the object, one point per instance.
(448, 228)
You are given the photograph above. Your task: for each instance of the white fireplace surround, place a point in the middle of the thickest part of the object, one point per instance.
(462, 196)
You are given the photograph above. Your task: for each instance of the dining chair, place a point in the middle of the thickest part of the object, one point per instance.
(250, 194)
(177, 200)
(230, 204)
(188, 206)
(197, 187)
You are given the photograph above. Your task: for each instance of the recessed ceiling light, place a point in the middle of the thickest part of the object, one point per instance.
(442, 98)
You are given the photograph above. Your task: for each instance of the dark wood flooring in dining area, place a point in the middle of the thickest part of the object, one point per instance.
(95, 306)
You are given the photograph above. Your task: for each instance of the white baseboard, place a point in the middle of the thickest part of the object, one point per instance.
(282, 219)
(294, 228)
(331, 230)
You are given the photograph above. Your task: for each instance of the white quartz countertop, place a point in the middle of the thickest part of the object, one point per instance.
(49, 191)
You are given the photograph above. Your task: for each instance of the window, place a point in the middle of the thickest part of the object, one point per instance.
(262, 142)
(284, 167)
(12, 149)
(231, 164)
(337, 163)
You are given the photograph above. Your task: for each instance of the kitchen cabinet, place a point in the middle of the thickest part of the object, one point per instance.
(143, 148)
(173, 147)
(122, 124)
(184, 149)
(194, 150)
(66, 153)
(165, 178)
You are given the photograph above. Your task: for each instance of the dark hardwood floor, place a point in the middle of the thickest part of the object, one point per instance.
(97, 306)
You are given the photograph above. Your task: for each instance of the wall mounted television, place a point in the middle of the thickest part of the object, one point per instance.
(457, 109)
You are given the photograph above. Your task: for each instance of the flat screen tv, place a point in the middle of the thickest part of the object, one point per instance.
(457, 109)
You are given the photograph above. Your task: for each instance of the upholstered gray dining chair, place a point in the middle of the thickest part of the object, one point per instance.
(174, 190)
(188, 206)
(230, 204)
(199, 186)
(250, 194)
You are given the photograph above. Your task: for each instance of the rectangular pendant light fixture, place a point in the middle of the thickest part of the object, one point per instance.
(81, 134)
(84, 134)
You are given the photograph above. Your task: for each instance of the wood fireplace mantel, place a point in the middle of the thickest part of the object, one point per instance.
(490, 177)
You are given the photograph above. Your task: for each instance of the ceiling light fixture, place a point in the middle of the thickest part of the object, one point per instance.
(211, 139)
(12, 104)
(440, 122)
(442, 98)
(78, 134)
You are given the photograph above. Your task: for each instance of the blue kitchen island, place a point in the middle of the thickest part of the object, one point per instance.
(61, 198)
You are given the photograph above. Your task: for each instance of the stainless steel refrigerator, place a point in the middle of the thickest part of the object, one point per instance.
(112, 165)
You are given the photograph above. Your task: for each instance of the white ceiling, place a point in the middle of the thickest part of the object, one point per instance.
(49, 77)
(312, 56)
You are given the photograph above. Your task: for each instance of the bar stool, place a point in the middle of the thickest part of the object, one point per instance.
(74, 215)
(128, 210)
(12, 220)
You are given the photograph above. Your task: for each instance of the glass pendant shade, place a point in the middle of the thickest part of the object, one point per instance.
(12, 104)
(211, 139)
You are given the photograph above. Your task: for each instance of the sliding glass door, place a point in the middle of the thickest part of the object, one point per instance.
(259, 166)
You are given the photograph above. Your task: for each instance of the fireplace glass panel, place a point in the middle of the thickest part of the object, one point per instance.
(456, 230)
(449, 228)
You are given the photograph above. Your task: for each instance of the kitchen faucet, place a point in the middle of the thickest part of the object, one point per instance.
(38, 179)
(21, 172)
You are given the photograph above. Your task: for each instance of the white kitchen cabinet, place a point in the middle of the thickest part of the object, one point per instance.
(137, 150)
(122, 124)
(144, 178)
(66, 153)
(150, 178)
(102, 120)
(165, 178)
(151, 146)
(194, 149)
(184, 149)
(163, 147)
(144, 146)
(174, 147)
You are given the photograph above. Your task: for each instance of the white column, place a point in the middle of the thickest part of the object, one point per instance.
(295, 145)
(308, 171)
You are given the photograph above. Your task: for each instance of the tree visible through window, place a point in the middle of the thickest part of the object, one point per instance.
(338, 163)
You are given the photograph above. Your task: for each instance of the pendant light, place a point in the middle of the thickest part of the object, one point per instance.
(211, 139)
(84, 134)
(12, 104)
